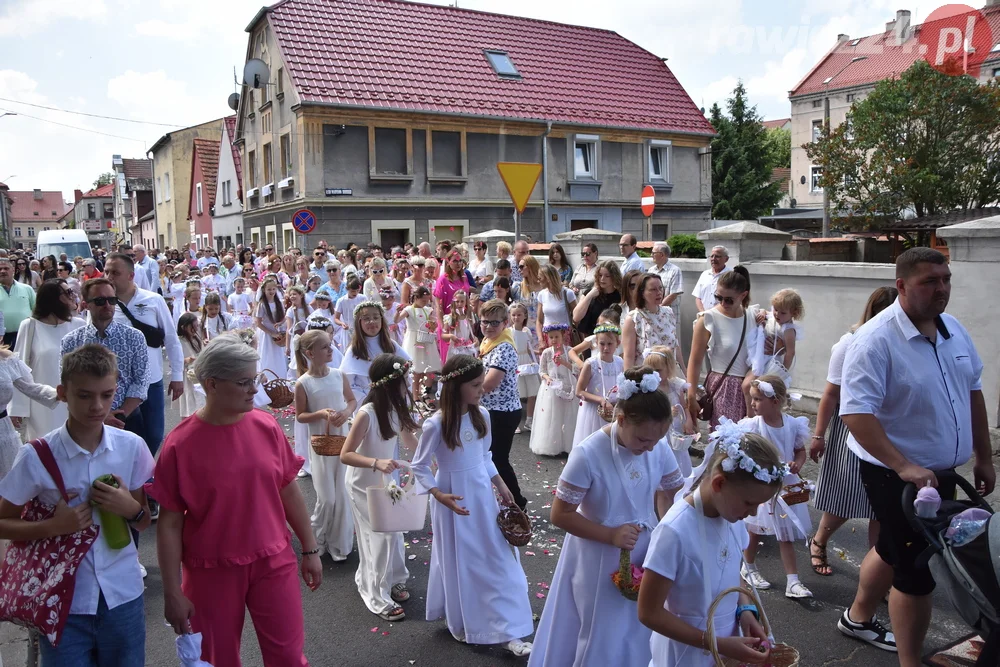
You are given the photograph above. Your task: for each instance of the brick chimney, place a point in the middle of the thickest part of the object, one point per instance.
(901, 26)
(77, 196)
(38, 195)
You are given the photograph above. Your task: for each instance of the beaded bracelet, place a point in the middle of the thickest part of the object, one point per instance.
(312, 552)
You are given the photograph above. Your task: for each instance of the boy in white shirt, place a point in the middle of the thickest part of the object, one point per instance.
(106, 625)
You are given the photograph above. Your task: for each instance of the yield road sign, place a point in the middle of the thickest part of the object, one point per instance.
(519, 179)
(648, 200)
(304, 221)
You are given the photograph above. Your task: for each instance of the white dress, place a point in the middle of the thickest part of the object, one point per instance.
(219, 324)
(675, 436)
(381, 556)
(188, 402)
(356, 369)
(603, 382)
(13, 373)
(678, 552)
(787, 523)
(587, 621)
(554, 422)
(44, 361)
(425, 354)
(345, 308)
(527, 367)
(475, 581)
(272, 355)
(463, 343)
(240, 304)
(331, 518)
(769, 348)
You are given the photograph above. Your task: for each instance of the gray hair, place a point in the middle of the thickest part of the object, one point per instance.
(332, 264)
(724, 249)
(4, 259)
(222, 356)
(138, 246)
(661, 245)
(89, 261)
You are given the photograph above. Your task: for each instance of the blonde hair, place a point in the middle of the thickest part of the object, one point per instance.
(662, 359)
(503, 246)
(549, 276)
(517, 305)
(453, 316)
(759, 449)
(790, 300)
(530, 268)
(494, 307)
(780, 389)
(307, 341)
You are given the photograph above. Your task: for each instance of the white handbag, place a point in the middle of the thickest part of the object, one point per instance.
(395, 509)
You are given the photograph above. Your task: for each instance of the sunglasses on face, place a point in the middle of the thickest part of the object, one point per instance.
(318, 254)
(67, 292)
(585, 254)
(104, 300)
(332, 270)
(725, 300)
(378, 271)
(521, 266)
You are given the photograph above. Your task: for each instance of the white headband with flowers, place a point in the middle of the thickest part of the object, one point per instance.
(649, 383)
(728, 436)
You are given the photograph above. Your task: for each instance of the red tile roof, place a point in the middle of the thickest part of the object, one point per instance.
(138, 168)
(776, 123)
(25, 205)
(237, 160)
(885, 60)
(391, 54)
(206, 152)
(103, 191)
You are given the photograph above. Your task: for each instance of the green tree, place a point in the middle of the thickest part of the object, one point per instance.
(741, 164)
(779, 147)
(104, 179)
(927, 141)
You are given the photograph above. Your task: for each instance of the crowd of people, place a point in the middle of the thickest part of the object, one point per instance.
(450, 353)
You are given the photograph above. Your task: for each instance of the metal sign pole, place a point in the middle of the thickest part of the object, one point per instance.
(517, 226)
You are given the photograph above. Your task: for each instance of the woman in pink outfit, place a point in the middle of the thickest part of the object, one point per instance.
(452, 279)
(225, 484)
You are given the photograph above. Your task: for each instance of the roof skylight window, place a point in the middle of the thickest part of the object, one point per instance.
(996, 48)
(502, 64)
(855, 42)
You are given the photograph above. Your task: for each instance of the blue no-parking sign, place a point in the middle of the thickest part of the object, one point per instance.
(304, 221)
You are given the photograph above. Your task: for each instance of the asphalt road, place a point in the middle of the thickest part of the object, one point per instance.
(341, 631)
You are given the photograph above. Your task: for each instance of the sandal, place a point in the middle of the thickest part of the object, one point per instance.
(395, 613)
(797, 591)
(399, 593)
(518, 647)
(819, 561)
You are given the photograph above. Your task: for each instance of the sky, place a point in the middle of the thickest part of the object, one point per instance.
(171, 62)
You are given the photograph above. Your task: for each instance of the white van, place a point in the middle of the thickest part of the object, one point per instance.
(73, 242)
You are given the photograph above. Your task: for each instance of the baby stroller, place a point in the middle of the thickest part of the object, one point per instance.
(969, 573)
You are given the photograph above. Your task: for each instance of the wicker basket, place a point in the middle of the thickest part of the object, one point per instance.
(515, 525)
(795, 494)
(782, 655)
(605, 414)
(280, 339)
(622, 579)
(326, 444)
(279, 391)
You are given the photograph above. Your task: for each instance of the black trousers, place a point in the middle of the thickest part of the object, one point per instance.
(503, 425)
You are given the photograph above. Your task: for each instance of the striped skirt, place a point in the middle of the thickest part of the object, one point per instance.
(839, 490)
(727, 397)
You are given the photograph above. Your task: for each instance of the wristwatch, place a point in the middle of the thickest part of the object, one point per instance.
(138, 517)
(752, 608)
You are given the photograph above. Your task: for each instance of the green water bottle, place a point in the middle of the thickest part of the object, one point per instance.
(113, 527)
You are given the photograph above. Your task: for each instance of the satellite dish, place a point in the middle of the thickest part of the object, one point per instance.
(256, 73)
(234, 102)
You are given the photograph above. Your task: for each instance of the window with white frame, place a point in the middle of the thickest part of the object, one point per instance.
(659, 161)
(197, 195)
(227, 196)
(159, 191)
(31, 231)
(817, 130)
(166, 187)
(815, 174)
(585, 156)
(17, 231)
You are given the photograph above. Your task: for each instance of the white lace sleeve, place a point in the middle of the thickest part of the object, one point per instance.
(670, 482)
(568, 493)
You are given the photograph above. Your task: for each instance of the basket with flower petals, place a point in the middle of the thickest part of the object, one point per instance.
(628, 578)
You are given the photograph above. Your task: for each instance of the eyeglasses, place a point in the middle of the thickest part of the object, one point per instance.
(492, 324)
(378, 271)
(245, 384)
(68, 292)
(104, 300)
(521, 266)
(725, 300)
(585, 254)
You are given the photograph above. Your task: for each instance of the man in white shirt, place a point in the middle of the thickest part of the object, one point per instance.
(106, 611)
(319, 259)
(708, 282)
(670, 276)
(141, 307)
(147, 271)
(208, 257)
(632, 262)
(912, 399)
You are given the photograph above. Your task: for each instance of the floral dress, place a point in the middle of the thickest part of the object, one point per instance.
(653, 328)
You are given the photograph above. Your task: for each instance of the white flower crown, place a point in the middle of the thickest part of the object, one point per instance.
(728, 436)
(766, 388)
(368, 303)
(649, 383)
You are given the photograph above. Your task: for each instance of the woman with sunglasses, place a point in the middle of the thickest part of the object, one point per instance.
(379, 279)
(38, 346)
(24, 274)
(335, 286)
(585, 276)
(481, 266)
(723, 332)
(453, 278)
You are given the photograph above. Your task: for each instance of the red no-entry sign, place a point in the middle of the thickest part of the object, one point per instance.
(648, 200)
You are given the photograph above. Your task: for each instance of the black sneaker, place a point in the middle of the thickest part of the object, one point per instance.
(871, 632)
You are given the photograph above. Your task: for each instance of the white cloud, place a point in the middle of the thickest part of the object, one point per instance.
(164, 29)
(26, 17)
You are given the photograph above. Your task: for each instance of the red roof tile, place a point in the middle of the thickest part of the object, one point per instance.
(206, 152)
(885, 59)
(391, 54)
(103, 191)
(138, 168)
(776, 123)
(25, 205)
(237, 160)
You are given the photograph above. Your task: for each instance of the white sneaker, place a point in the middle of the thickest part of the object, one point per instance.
(527, 425)
(754, 577)
(518, 647)
(797, 590)
(142, 570)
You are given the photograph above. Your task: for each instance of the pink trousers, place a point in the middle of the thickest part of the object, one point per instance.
(269, 588)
